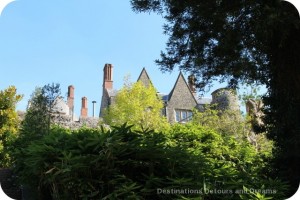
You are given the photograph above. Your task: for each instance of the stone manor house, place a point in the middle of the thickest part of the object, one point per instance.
(178, 103)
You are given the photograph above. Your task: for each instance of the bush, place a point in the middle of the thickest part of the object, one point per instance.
(9, 122)
(126, 164)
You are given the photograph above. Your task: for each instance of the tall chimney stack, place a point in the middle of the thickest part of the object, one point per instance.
(84, 107)
(70, 100)
(108, 76)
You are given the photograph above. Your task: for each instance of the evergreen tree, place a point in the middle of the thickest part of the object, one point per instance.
(38, 116)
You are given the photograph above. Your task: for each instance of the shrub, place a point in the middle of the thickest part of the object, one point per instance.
(9, 122)
(126, 164)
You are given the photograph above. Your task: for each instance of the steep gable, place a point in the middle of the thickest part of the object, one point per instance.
(181, 87)
(180, 99)
(144, 78)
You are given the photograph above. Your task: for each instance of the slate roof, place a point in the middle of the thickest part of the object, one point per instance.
(164, 97)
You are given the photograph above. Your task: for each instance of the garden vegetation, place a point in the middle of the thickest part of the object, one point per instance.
(210, 157)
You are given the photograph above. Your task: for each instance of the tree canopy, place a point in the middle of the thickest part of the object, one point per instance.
(241, 41)
(137, 105)
(38, 115)
(8, 120)
(232, 40)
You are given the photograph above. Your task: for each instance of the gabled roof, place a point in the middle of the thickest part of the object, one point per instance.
(60, 106)
(180, 76)
(144, 78)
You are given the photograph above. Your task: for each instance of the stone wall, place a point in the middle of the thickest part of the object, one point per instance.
(225, 99)
(67, 122)
(144, 78)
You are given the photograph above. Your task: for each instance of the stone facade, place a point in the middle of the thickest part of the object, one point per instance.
(144, 78)
(180, 100)
(225, 99)
(178, 104)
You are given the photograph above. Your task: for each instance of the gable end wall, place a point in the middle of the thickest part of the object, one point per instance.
(181, 98)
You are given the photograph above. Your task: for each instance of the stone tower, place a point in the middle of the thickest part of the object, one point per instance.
(225, 99)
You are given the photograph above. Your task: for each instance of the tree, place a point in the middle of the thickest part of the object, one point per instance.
(241, 42)
(38, 116)
(137, 105)
(8, 121)
(36, 124)
(229, 123)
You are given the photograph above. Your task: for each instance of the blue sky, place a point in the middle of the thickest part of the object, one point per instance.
(68, 42)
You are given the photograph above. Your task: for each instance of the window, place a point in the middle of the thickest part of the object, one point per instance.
(183, 116)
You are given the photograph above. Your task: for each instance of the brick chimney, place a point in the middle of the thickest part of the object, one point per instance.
(191, 82)
(84, 107)
(70, 100)
(107, 76)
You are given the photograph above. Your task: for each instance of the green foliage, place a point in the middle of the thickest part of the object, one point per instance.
(125, 164)
(218, 39)
(224, 121)
(241, 42)
(38, 115)
(250, 92)
(136, 105)
(8, 122)
(229, 123)
(37, 121)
